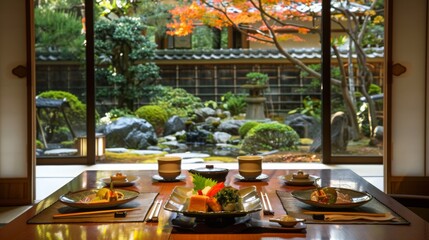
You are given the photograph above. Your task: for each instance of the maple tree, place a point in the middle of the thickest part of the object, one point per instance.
(279, 22)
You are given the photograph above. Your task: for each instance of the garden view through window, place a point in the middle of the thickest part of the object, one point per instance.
(185, 79)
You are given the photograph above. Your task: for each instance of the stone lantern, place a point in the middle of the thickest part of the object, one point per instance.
(256, 83)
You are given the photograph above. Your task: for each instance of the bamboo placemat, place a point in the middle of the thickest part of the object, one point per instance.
(144, 201)
(296, 208)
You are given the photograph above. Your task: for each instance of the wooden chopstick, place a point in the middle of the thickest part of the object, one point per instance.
(346, 213)
(269, 203)
(155, 210)
(62, 215)
(263, 202)
(268, 210)
(156, 215)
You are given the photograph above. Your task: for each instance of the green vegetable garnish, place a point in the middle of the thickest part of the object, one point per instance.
(201, 182)
(227, 195)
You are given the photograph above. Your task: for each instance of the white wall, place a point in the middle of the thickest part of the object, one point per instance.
(13, 105)
(409, 131)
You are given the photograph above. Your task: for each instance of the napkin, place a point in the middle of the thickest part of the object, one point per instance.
(333, 217)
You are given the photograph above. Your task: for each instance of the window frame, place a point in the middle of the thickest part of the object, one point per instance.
(327, 157)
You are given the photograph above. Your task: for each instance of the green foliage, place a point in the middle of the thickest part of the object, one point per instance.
(176, 101)
(59, 30)
(362, 113)
(123, 56)
(39, 144)
(211, 104)
(68, 144)
(311, 107)
(118, 8)
(374, 36)
(76, 113)
(155, 115)
(257, 78)
(235, 104)
(270, 136)
(374, 89)
(245, 128)
(204, 38)
(116, 113)
(201, 182)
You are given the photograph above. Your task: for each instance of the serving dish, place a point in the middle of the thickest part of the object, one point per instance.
(161, 179)
(179, 201)
(130, 181)
(209, 171)
(259, 178)
(293, 181)
(81, 199)
(356, 198)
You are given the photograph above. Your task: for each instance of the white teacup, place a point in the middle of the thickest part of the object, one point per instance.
(250, 167)
(169, 167)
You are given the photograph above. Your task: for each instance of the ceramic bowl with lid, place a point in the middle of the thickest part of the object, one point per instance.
(209, 171)
(300, 175)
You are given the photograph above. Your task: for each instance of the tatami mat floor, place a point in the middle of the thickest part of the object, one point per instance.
(50, 178)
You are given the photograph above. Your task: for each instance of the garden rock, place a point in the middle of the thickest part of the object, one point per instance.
(305, 126)
(156, 148)
(188, 155)
(173, 125)
(223, 149)
(379, 132)
(231, 126)
(63, 152)
(116, 150)
(203, 113)
(339, 134)
(377, 140)
(176, 145)
(221, 137)
(211, 120)
(129, 132)
(146, 152)
(197, 136)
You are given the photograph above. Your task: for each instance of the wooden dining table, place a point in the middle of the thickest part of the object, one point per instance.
(19, 228)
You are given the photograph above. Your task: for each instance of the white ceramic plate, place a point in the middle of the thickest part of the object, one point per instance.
(161, 179)
(81, 199)
(357, 198)
(261, 177)
(179, 201)
(131, 180)
(289, 180)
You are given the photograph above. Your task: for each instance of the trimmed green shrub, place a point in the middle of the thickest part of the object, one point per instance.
(155, 115)
(257, 78)
(270, 136)
(176, 101)
(68, 144)
(245, 128)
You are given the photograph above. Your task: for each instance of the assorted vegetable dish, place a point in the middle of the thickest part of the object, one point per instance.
(211, 196)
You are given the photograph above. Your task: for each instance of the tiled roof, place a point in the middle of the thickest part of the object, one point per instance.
(300, 53)
(217, 54)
